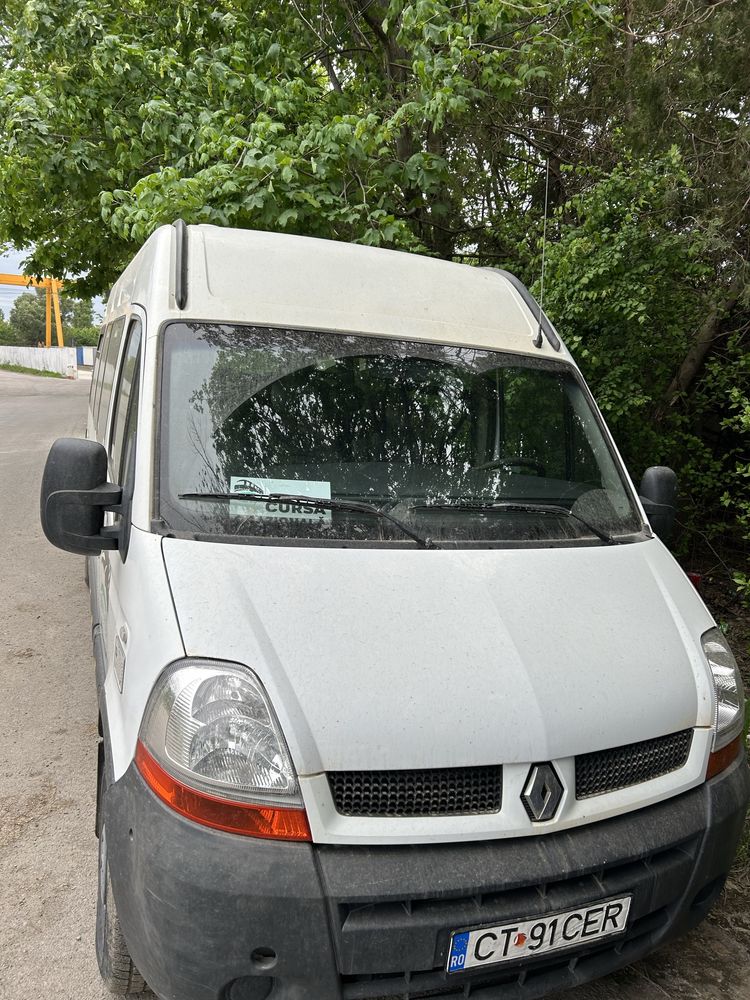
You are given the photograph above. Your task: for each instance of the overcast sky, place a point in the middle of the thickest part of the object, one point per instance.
(10, 263)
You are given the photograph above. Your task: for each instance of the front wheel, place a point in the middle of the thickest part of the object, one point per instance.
(115, 964)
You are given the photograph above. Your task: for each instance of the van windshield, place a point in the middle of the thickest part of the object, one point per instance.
(400, 441)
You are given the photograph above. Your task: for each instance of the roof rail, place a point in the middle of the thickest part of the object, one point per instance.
(180, 275)
(545, 326)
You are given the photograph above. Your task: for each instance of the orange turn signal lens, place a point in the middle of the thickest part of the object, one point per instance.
(721, 759)
(269, 822)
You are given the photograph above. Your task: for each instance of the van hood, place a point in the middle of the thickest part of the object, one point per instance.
(393, 658)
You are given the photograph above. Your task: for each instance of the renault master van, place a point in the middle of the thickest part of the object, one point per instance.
(401, 693)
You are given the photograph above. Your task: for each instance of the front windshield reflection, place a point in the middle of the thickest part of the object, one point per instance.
(432, 434)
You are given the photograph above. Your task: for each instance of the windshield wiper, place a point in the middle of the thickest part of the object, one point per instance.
(354, 506)
(525, 508)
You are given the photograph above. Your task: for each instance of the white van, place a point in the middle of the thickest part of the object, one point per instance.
(400, 693)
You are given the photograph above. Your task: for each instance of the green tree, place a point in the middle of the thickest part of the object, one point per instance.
(355, 121)
(5, 334)
(631, 277)
(428, 126)
(27, 320)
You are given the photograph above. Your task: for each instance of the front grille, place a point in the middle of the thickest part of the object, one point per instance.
(375, 932)
(545, 975)
(448, 791)
(393, 909)
(608, 770)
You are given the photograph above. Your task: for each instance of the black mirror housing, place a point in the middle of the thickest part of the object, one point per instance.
(75, 493)
(658, 495)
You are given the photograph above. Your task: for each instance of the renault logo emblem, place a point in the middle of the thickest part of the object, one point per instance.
(543, 793)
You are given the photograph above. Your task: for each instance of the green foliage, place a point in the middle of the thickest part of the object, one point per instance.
(5, 333)
(425, 125)
(629, 276)
(736, 498)
(82, 336)
(219, 114)
(26, 323)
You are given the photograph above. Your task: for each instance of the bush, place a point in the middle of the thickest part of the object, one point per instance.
(630, 279)
(87, 336)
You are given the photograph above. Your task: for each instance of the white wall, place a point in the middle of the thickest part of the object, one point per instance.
(47, 359)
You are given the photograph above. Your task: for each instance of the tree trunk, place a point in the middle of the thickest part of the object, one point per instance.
(627, 15)
(700, 346)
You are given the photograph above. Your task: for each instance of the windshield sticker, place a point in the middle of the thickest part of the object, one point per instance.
(282, 509)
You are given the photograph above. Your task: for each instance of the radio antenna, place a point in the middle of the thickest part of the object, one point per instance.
(539, 338)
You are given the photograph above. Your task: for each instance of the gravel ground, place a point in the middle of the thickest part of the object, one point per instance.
(47, 781)
(47, 715)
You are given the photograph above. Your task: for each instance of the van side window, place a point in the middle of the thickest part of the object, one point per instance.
(125, 399)
(112, 350)
(96, 377)
(127, 460)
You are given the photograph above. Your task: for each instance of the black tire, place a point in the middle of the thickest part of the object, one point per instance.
(115, 964)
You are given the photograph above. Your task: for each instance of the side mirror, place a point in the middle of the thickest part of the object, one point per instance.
(75, 494)
(658, 494)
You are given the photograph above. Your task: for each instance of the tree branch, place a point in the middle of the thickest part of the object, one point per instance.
(701, 345)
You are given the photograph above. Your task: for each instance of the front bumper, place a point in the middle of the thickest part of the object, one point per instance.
(213, 916)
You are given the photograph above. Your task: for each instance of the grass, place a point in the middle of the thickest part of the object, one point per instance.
(22, 370)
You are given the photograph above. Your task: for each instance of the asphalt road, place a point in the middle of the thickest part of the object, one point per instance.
(47, 715)
(48, 757)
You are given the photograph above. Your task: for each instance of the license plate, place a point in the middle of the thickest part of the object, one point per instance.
(528, 938)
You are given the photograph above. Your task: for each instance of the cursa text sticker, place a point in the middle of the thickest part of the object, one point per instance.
(281, 509)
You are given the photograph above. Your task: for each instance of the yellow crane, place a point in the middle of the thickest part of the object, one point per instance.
(53, 286)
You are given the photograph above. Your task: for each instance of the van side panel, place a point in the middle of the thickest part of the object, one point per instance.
(139, 635)
(133, 610)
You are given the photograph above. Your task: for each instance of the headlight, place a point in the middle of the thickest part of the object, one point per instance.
(730, 694)
(211, 726)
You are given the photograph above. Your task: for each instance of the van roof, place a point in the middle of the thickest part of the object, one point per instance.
(273, 279)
